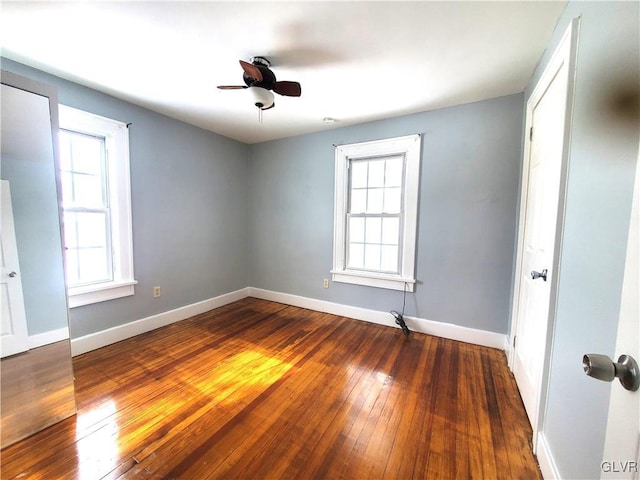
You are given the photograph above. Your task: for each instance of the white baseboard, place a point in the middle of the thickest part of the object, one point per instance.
(430, 327)
(545, 459)
(122, 332)
(446, 330)
(53, 336)
(508, 350)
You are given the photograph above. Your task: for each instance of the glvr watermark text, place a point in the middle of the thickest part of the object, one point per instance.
(619, 466)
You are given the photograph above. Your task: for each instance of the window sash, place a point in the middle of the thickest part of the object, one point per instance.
(85, 265)
(382, 185)
(76, 276)
(367, 242)
(72, 164)
(381, 182)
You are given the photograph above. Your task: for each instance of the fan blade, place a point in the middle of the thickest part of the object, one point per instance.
(251, 70)
(289, 89)
(231, 87)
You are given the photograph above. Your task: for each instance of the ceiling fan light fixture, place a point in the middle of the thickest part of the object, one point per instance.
(262, 98)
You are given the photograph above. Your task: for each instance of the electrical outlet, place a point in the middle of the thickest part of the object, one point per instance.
(156, 292)
(325, 283)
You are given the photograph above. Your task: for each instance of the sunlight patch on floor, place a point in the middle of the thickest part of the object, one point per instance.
(242, 375)
(98, 451)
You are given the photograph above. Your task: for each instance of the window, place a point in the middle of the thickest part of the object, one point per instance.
(94, 163)
(376, 203)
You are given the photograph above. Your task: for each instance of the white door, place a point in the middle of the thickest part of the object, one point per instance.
(13, 334)
(544, 153)
(621, 458)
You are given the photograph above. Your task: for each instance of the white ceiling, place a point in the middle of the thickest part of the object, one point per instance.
(357, 61)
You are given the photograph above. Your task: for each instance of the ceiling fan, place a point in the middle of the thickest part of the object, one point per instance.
(261, 81)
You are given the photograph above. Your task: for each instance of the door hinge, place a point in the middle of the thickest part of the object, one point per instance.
(514, 341)
(530, 133)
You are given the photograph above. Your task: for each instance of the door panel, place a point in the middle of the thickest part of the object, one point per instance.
(547, 113)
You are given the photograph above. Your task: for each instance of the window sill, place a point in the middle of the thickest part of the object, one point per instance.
(89, 294)
(391, 282)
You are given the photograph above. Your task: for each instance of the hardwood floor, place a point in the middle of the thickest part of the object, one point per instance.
(258, 389)
(36, 390)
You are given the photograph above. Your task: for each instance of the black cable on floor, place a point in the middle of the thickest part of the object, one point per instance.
(400, 316)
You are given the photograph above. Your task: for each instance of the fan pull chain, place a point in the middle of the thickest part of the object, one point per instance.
(259, 115)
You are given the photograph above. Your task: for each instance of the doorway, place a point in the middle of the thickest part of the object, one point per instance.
(548, 117)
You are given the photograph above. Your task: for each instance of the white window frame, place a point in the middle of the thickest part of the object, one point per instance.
(116, 135)
(409, 147)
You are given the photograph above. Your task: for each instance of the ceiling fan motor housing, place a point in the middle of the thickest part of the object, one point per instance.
(268, 77)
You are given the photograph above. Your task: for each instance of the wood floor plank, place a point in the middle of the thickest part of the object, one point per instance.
(412, 408)
(326, 449)
(205, 443)
(257, 389)
(307, 413)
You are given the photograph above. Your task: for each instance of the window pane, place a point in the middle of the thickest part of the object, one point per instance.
(72, 266)
(84, 172)
(358, 174)
(392, 200)
(372, 257)
(373, 231)
(376, 173)
(70, 230)
(86, 152)
(87, 247)
(391, 231)
(393, 173)
(92, 229)
(356, 229)
(93, 265)
(389, 256)
(67, 188)
(375, 199)
(88, 191)
(356, 255)
(358, 201)
(65, 150)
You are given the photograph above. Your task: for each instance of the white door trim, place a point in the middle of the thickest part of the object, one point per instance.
(565, 52)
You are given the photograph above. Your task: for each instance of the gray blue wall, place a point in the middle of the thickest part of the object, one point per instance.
(211, 215)
(602, 162)
(189, 207)
(466, 226)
